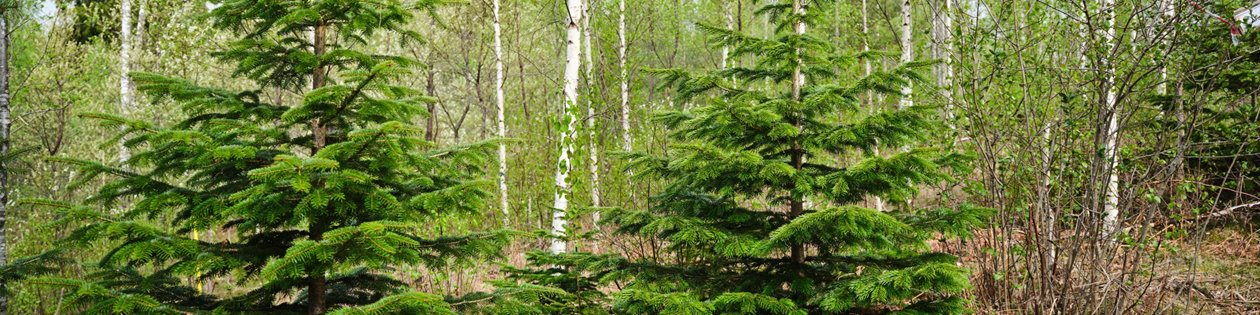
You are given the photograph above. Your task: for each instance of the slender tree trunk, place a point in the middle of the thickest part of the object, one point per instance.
(142, 12)
(947, 67)
(1110, 109)
(590, 110)
(1047, 219)
(907, 55)
(568, 126)
(317, 293)
(1048, 215)
(627, 142)
(797, 203)
(1167, 12)
(866, 71)
(137, 45)
(124, 84)
(907, 51)
(726, 49)
(5, 122)
(498, 102)
(866, 46)
(430, 122)
(592, 143)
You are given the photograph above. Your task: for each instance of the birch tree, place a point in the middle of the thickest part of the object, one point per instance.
(498, 102)
(124, 65)
(5, 122)
(590, 109)
(907, 51)
(946, 44)
(627, 142)
(1167, 12)
(141, 14)
(866, 46)
(730, 25)
(567, 124)
(1111, 196)
(866, 72)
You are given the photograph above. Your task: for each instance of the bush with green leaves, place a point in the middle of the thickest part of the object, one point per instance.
(758, 217)
(322, 200)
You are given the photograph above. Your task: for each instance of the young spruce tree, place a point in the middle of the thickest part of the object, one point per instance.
(757, 217)
(321, 199)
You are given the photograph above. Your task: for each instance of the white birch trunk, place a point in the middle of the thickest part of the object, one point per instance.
(907, 51)
(1167, 12)
(798, 77)
(866, 71)
(1111, 193)
(1083, 48)
(568, 125)
(141, 13)
(627, 142)
(1043, 195)
(498, 101)
(592, 147)
(866, 46)
(590, 112)
(5, 122)
(125, 67)
(124, 84)
(730, 25)
(947, 54)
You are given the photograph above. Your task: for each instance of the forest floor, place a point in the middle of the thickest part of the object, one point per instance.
(1219, 275)
(1217, 271)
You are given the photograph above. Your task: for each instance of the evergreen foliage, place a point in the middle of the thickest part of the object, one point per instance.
(564, 283)
(324, 198)
(758, 218)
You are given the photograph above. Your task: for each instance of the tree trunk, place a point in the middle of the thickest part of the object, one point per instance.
(726, 49)
(5, 122)
(498, 102)
(866, 71)
(592, 145)
(316, 290)
(627, 142)
(568, 126)
(430, 122)
(798, 81)
(590, 110)
(1167, 12)
(124, 84)
(907, 51)
(947, 67)
(140, 19)
(1111, 113)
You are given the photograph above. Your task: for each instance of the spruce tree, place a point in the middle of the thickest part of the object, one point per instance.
(757, 217)
(322, 200)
